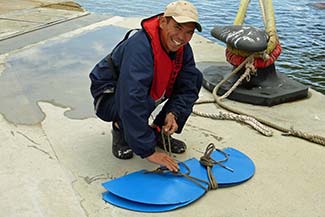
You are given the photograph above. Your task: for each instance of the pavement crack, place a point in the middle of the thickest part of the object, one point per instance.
(50, 144)
(83, 207)
(92, 179)
(82, 200)
(206, 132)
(34, 142)
(29, 139)
(41, 150)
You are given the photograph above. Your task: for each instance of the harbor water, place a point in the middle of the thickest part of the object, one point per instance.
(300, 26)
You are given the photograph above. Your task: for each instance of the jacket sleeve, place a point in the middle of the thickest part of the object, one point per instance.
(102, 78)
(133, 101)
(185, 92)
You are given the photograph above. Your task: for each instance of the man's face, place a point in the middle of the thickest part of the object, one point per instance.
(174, 35)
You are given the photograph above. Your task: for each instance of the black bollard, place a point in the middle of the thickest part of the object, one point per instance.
(267, 87)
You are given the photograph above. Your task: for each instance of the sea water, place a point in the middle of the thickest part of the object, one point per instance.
(300, 27)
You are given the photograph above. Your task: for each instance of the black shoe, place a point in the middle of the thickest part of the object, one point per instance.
(120, 149)
(177, 146)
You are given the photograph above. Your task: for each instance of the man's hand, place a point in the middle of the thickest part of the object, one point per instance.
(170, 124)
(163, 159)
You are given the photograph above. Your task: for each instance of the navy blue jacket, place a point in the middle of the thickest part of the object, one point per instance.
(133, 62)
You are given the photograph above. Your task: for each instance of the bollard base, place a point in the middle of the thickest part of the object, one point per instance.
(267, 88)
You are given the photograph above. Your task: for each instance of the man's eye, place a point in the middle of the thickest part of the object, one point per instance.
(178, 27)
(190, 32)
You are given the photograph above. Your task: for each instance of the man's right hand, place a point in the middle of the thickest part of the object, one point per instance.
(163, 159)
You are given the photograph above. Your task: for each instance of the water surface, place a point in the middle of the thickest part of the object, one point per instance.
(300, 26)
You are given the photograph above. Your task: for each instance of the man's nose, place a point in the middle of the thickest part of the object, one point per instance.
(181, 36)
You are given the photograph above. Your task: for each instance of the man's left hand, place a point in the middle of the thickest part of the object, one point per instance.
(170, 124)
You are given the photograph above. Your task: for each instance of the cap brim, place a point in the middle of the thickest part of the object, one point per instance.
(183, 19)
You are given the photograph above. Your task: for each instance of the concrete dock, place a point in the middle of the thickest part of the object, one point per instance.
(55, 153)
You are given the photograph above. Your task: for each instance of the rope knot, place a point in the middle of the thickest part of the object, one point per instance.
(206, 161)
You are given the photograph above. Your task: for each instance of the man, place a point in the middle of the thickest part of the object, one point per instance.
(155, 64)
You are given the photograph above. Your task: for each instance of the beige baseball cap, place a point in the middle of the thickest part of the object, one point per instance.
(183, 12)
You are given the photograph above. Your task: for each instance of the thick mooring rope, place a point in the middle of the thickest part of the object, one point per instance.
(240, 118)
(250, 70)
(310, 137)
(255, 122)
(237, 117)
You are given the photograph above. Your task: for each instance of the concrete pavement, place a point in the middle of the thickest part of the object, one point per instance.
(55, 153)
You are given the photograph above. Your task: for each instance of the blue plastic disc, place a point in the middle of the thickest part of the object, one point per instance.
(242, 167)
(150, 192)
(159, 189)
(140, 207)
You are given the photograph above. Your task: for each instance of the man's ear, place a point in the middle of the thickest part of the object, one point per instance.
(162, 22)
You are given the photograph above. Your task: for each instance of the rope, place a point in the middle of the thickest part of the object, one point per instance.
(164, 170)
(208, 162)
(164, 143)
(267, 12)
(236, 70)
(205, 160)
(288, 132)
(255, 122)
(250, 69)
(240, 118)
(227, 116)
(310, 137)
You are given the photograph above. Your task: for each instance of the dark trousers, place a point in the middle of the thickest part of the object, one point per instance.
(106, 108)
